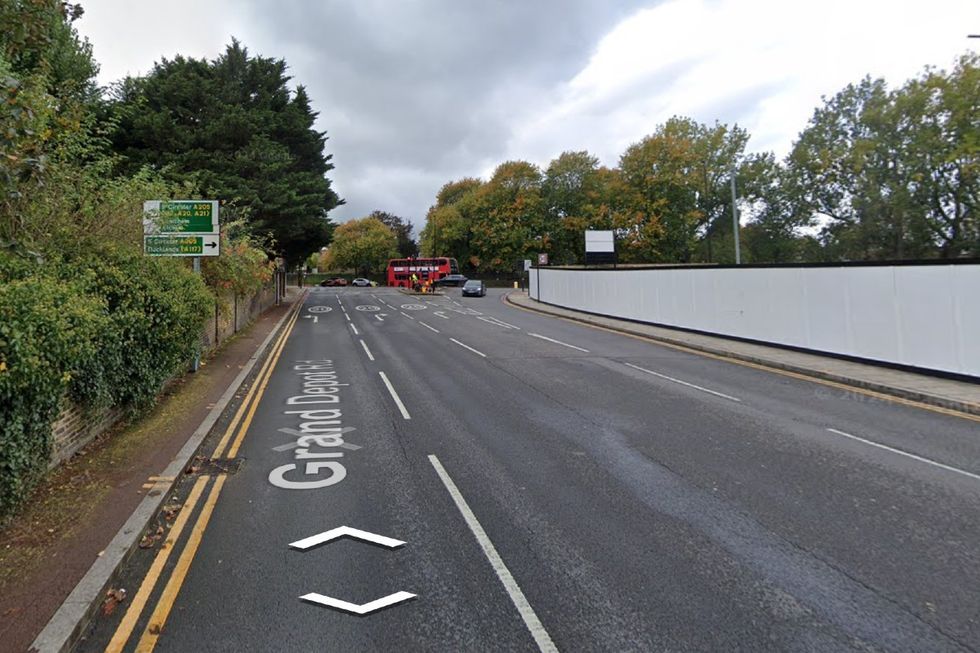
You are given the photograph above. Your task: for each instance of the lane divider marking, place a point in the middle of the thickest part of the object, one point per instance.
(406, 315)
(243, 429)
(394, 395)
(220, 448)
(428, 327)
(347, 316)
(356, 333)
(538, 632)
(159, 617)
(468, 347)
(125, 627)
(906, 453)
(557, 342)
(690, 385)
(367, 351)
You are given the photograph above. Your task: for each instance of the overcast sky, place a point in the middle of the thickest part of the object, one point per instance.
(415, 93)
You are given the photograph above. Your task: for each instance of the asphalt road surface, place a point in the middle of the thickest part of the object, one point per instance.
(544, 485)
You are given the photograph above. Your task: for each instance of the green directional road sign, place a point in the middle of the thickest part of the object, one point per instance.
(181, 245)
(180, 217)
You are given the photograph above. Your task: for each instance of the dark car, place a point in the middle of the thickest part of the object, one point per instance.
(474, 288)
(450, 280)
(339, 281)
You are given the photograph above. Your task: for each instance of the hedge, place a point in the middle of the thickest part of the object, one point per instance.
(106, 328)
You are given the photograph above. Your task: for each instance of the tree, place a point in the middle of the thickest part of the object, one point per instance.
(364, 245)
(570, 189)
(448, 223)
(402, 228)
(509, 217)
(233, 127)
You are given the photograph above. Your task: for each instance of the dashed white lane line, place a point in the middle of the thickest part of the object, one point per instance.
(356, 332)
(406, 315)
(394, 395)
(367, 351)
(907, 454)
(690, 385)
(540, 635)
(347, 316)
(557, 342)
(494, 321)
(468, 347)
(428, 327)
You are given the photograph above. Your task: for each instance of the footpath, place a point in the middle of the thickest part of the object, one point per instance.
(942, 393)
(80, 514)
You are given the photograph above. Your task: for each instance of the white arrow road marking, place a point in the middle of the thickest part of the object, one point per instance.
(690, 385)
(367, 608)
(345, 531)
(557, 342)
(540, 635)
(315, 318)
(380, 316)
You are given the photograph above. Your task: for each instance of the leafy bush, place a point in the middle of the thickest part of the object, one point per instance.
(107, 327)
(48, 335)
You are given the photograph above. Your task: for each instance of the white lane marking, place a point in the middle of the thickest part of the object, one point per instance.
(690, 385)
(379, 318)
(338, 300)
(366, 608)
(347, 316)
(341, 531)
(315, 318)
(428, 327)
(394, 395)
(366, 350)
(540, 635)
(319, 309)
(557, 342)
(494, 321)
(440, 314)
(906, 453)
(406, 315)
(356, 333)
(468, 347)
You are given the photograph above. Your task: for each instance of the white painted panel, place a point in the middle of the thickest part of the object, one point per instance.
(926, 316)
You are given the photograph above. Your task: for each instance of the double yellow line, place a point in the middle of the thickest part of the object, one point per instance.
(167, 598)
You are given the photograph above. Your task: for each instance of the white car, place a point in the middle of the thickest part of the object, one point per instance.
(360, 281)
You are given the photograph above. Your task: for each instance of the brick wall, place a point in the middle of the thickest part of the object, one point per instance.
(76, 426)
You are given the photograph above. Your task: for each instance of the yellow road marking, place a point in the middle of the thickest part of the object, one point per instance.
(233, 450)
(159, 617)
(248, 397)
(765, 368)
(125, 628)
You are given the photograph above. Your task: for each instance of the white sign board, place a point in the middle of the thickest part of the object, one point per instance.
(600, 242)
(527, 264)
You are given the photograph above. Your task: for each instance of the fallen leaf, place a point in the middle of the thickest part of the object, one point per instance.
(113, 598)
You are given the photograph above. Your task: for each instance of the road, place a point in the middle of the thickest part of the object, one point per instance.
(554, 486)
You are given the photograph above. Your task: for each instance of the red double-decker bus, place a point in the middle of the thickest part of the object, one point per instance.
(400, 270)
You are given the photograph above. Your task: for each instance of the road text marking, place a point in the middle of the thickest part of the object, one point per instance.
(531, 620)
(468, 347)
(906, 453)
(690, 385)
(394, 395)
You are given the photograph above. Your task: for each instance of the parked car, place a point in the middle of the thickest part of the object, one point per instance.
(474, 288)
(339, 281)
(361, 282)
(450, 280)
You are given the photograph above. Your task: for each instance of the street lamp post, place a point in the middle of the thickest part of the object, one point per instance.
(738, 254)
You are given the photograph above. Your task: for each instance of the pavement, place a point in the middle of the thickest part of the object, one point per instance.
(959, 396)
(517, 482)
(82, 507)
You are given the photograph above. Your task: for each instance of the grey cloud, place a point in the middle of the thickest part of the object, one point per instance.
(432, 86)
